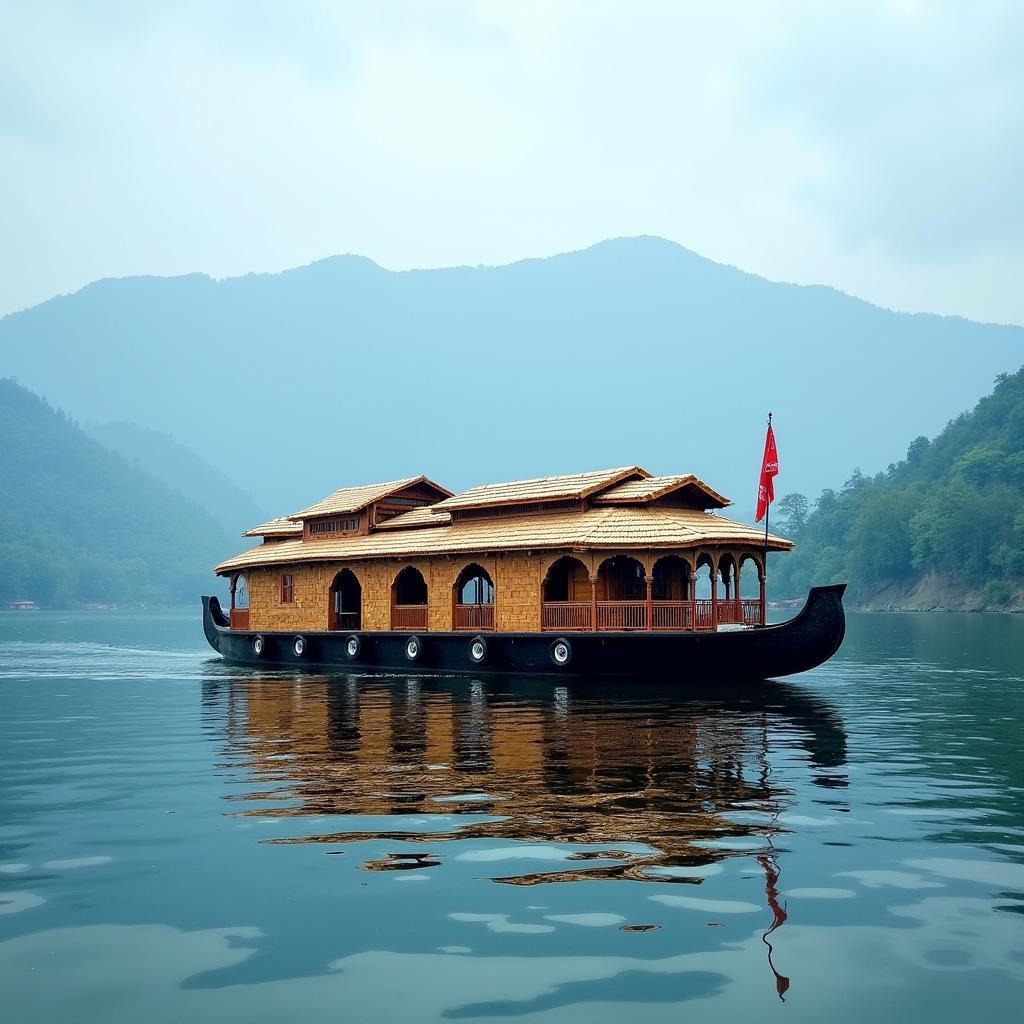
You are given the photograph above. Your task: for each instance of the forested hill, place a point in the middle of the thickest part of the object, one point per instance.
(189, 474)
(80, 524)
(943, 528)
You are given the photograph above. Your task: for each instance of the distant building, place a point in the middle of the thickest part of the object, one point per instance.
(22, 606)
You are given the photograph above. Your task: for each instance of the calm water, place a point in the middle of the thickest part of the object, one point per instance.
(183, 841)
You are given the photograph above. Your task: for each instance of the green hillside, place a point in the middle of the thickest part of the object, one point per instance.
(187, 473)
(79, 523)
(947, 519)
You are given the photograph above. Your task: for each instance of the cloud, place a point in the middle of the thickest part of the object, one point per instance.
(876, 147)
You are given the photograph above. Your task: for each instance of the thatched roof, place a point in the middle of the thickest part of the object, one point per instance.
(540, 489)
(642, 492)
(282, 526)
(354, 499)
(425, 516)
(611, 527)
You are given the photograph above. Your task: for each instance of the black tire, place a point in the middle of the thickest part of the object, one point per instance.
(478, 650)
(561, 652)
(413, 648)
(299, 646)
(259, 645)
(353, 647)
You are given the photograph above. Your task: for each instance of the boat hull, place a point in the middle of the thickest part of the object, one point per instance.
(761, 652)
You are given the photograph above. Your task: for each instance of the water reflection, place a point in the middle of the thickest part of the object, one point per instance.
(648, 786)
(659, 785)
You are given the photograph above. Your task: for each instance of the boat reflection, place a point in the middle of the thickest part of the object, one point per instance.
(656, 784)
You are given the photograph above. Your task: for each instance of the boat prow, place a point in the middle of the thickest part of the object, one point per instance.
(759, 652)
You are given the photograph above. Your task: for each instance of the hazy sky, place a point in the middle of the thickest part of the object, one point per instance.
(874, 146)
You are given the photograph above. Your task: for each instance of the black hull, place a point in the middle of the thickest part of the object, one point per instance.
(763, 652)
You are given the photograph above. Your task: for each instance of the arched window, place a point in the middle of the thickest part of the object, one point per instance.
(702, 576)
(752, 590)
(567, 596)
(671, 579)
(622, 594)
(409, 600)
(239, 614)
(727, 571)
(672, 607)
(473, 599)
(750, 576)
(621, 579)
(346, 608)
(567, 580)
(729, 609)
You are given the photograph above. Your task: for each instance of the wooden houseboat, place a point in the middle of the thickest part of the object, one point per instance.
(604, 573)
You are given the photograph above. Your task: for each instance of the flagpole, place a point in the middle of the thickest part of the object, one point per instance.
(767, 513)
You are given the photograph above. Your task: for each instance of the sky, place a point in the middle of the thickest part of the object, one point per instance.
(877, 147)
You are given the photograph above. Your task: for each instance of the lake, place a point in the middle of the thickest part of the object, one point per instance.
(181, 840)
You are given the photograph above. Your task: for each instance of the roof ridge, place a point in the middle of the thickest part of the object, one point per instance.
(554, 476)
(361, 495)
(377, 483)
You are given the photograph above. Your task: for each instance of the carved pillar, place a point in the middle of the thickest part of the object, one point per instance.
(763, 578)
(593, 602)
(715, 574)
(649, 580)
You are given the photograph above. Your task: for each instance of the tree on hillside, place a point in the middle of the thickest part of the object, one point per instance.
(954, 506)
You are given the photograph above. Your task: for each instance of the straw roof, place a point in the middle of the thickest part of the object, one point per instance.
(615, 527)
(282, 526)
(424, 516)
(540, 489)
(641, 492)
(354, 499)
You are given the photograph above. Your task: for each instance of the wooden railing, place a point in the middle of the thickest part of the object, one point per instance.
(239, 618)
(409, 616)
(564, 615)
(665, 615)
(702, 615)
(621, 614)
(729, 612)
(744, 612)
(474, 616)
(672, 614)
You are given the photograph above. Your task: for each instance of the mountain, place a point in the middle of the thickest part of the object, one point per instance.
(183, 471)
(632, 351)
(943, 528)
(79, 523)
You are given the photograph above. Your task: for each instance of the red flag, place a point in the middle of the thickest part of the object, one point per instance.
(769, 469)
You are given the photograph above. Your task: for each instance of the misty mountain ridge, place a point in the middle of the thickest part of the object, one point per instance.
(632, 351)
(328, 267)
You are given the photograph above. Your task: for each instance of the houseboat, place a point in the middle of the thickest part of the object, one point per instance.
(604, 573)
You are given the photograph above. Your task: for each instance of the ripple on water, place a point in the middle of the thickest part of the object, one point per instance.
(16, 902)
(710, 906)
